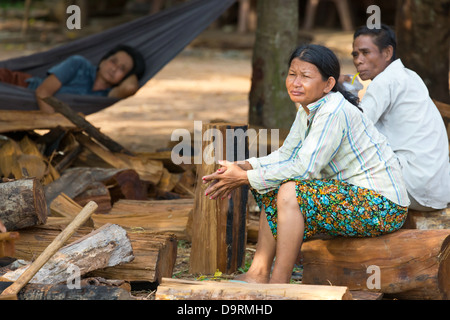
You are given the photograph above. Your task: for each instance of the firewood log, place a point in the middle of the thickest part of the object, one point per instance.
(22, 204)
(406, 264)
(105, 247)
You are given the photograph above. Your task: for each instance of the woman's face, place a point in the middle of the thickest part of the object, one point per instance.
(304, 83)
(114, 68)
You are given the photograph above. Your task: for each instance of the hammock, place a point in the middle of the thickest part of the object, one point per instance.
(159, 37)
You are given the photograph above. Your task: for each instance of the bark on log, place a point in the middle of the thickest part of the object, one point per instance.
(36, 291)
(219, 226)
(177, 289)
(105, 247)
(22, 204)
(413, 264)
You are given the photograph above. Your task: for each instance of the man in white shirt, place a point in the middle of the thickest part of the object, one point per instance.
(398, 102)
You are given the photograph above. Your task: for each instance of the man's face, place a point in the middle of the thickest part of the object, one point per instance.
(368, 59)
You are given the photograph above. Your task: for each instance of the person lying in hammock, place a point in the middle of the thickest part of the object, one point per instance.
(116, 75)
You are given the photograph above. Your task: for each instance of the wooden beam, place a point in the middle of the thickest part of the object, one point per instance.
(219, 226)
(177, 289)
(12, 120)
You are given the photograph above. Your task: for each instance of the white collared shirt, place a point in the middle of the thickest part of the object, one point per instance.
(335, 141)
(398, 102)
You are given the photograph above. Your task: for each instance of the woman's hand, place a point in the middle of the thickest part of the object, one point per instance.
(227, 178)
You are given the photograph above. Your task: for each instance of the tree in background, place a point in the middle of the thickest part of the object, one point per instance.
(423, 42)
(276, 37)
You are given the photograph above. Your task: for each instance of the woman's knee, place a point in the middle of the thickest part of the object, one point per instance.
(287, 196)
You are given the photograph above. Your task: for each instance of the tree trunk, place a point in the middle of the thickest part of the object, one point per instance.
(22, 204)
(219, 226)
(276, 38)
(423, 42)
(412, 264)
(173, 289)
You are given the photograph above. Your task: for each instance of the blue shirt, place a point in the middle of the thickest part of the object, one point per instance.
(76, 74)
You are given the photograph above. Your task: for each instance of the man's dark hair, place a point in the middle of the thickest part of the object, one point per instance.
(138, 60)
(382, 38)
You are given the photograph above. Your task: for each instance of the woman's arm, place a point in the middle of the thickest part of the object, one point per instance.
(126, 88)
(48, 88)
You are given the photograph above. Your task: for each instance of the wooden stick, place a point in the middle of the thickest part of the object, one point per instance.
(56, 244)
(82, 123)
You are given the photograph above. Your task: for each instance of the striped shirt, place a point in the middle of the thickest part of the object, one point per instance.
(335, 141)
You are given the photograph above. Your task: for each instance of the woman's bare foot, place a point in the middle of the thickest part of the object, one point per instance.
(252, 278)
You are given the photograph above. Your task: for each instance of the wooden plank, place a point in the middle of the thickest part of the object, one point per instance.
(155, 216)
(11, 120)
(177, 289)
(219, 226)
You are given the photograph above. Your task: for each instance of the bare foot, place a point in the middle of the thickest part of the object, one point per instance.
(251, 278)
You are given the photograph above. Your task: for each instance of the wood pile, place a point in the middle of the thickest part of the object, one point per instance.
(51, 166)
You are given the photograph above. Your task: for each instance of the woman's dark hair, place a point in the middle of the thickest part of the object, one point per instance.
(327, 63)
(138, 60)
(382, 38)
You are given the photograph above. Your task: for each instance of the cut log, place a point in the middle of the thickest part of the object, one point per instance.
(22, 204)
(34, 291)
(82, 123)
(411, 264)
(437, 219)
(104, 247)
(155, 216)
(75, 181)
(219, 226)
(11, 120)
(98, 193)
(155, 255)
(177, 289)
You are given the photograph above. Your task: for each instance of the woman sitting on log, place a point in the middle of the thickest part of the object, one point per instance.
(334, 174)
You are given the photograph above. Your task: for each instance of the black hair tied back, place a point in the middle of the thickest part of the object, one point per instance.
(328, 65)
